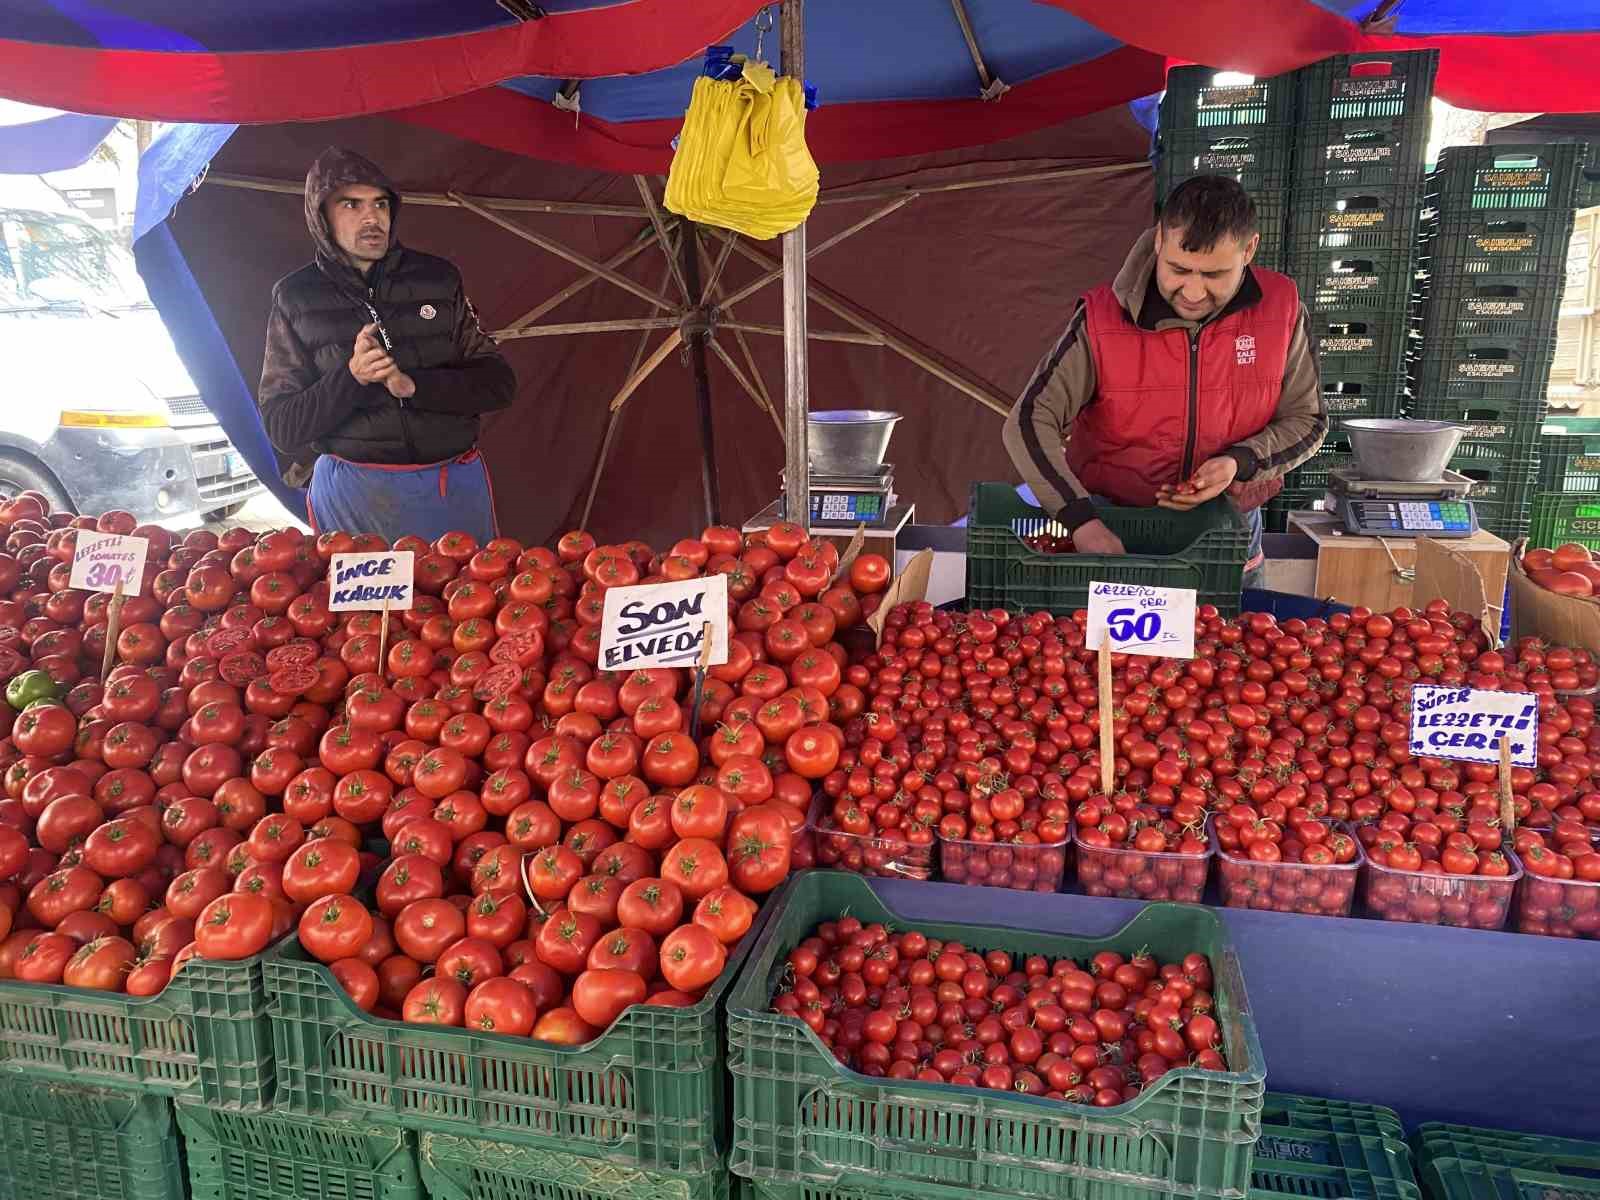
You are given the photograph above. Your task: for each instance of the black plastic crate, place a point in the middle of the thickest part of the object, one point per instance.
(1350, 390)
(1195, 100)
(1505, 177)
(1354, 220)
(1371, 340)
(1569, 465)
(1523, 243)
(1313, 475)
(1490, 306)
(1507, 519)
(1257, 157)
(1472, 369)
(1349, 281)
(1509, 480)
(1358, 86)
(1361, 152)
(1513, 423)
(1588, 192)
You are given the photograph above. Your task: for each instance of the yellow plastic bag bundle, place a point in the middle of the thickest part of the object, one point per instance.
(742, 161)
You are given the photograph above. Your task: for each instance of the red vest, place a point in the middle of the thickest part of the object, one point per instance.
(1163, 405)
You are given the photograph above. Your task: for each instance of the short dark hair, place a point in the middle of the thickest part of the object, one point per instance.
(1207, 208)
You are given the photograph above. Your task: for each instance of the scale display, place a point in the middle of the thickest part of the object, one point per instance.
(1408, 518)
(848, 508)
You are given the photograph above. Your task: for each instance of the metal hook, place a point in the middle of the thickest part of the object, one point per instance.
(763, 27)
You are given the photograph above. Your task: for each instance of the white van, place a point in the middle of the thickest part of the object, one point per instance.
(96, 409)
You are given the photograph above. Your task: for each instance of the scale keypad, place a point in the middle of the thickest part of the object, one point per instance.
(1413, 516)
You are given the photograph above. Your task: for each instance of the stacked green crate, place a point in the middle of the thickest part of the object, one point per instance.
(1493, 256)
(1242, 129)
(1361, 127)
(274, 1155)
(1463, 1162)
(71, 1142)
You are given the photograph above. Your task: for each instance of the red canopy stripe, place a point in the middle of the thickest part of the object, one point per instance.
(315, 85)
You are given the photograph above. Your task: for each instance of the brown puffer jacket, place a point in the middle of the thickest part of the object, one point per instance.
(311, 404)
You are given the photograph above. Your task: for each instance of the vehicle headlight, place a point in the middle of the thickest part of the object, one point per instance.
(85, 419)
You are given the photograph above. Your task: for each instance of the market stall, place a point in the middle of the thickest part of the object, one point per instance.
(641, 854)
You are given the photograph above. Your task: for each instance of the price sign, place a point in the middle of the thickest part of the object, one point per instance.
(1142, 620)
(1468, 723)
(101, 561)
(371, 582)
(664, 624)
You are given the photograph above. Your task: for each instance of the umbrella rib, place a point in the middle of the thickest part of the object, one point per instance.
(612, 421)
(620, 326)
(715, 292)
(560, 251)
(871, 218)
(993, 88)
(903, 346)
(654, 210)
(733, 369)
(643, 240)
(657, 357)
(716, 270)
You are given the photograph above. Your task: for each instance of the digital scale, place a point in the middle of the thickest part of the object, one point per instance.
(852, 499)
(1388, 508)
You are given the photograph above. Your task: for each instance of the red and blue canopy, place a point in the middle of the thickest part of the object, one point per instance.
(896, 76)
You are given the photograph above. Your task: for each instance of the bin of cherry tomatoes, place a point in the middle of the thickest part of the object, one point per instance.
(1559, 895)
(1467, 888)
(1139, 852)
(1310, 867)
(892, 852)
(1024, 862)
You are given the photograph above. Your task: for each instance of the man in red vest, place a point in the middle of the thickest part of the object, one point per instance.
(1193, 368)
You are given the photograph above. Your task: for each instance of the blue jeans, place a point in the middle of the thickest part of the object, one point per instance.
(391, 501)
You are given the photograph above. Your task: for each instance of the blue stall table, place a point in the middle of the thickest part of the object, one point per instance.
(1443, 1024)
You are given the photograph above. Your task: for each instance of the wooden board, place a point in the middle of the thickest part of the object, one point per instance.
(1357, 570)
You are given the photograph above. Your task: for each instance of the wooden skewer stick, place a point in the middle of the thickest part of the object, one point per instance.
(1107, 739)
(1508, 812)
(113, 620)
(383, 640)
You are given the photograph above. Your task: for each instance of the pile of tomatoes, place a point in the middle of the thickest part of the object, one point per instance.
(1568, 570)
(906, 1006)
(1279, 722)
(556, 844)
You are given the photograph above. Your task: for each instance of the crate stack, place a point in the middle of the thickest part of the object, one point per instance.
(1361, 132)
(1462, 1162)
(1244, 130)
(1493, 262)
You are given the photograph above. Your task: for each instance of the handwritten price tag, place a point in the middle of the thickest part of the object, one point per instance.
(1142, 620)
(1468, 723)
(102, 560)
(664, 624)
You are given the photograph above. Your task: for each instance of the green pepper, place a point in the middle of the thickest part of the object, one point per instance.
(29, 687)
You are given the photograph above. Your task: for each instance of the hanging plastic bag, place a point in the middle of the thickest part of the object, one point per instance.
(742, 161)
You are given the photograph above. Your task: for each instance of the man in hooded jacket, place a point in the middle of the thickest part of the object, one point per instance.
(377, 371)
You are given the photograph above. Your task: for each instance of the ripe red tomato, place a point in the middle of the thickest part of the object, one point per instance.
(234, 926)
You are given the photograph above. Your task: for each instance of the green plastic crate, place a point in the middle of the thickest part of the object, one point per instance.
(648, 1092)
(458, 1168)
(801, 1117)
(1556, 519)
(1569, 465)
(204, 1037)
(1464, 1179)
(1309, 1162)
(1506, 1148)
(1287, 1110)
(59, 1142)
(1204, 549)
(274, 1156)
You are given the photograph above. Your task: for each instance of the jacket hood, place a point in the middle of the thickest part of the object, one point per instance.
(335, 168)
(1134, 278)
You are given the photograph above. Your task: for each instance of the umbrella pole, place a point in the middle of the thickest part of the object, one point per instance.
(796, 376)
(702, 376)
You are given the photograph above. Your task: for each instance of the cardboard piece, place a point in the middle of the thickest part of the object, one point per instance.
(1535, 612)
(1452, 576)
(910, 584)
(851, 553)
